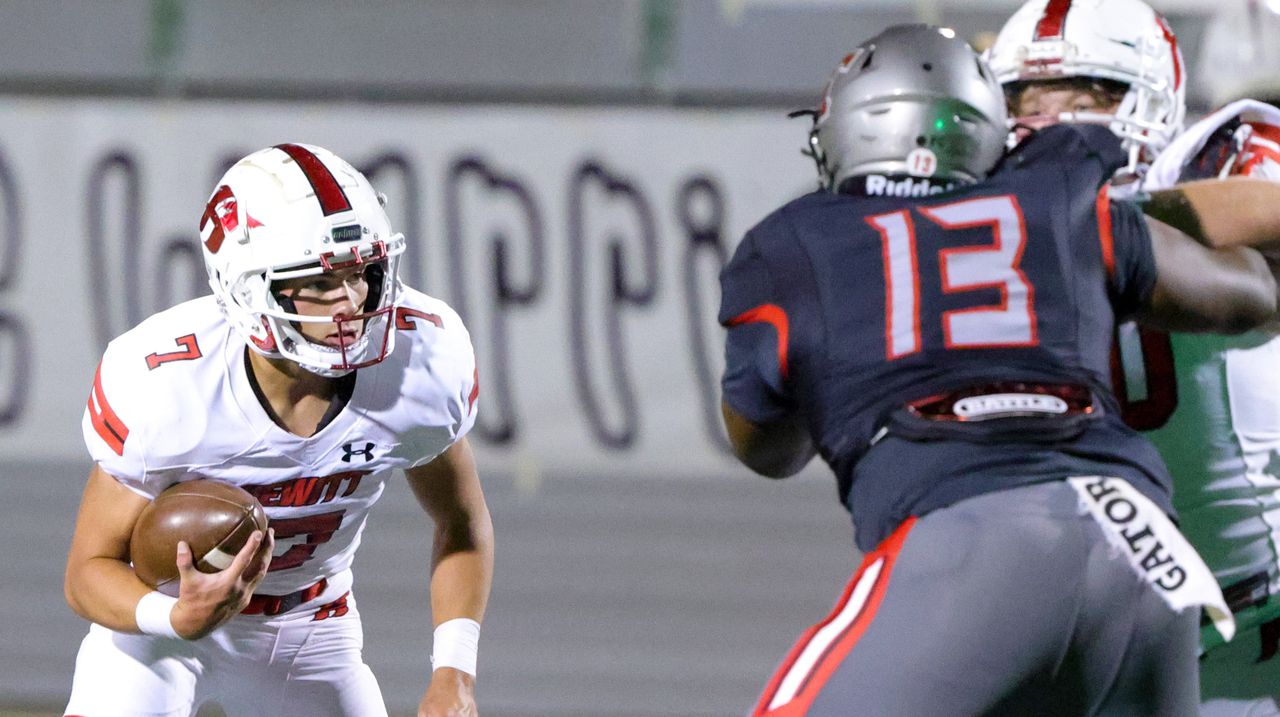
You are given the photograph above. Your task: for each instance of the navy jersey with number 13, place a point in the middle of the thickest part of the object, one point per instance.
(846, 307)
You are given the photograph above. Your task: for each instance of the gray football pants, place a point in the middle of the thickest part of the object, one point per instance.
(1009, 603)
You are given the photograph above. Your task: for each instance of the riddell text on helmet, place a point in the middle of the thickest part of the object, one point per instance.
(879, 185)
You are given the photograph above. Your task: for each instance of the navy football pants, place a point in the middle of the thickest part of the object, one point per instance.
(1009, 603)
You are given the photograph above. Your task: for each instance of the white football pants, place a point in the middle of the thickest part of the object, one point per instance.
(292, 665)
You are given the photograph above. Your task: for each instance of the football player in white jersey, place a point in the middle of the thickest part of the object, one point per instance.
(306, 378)
(1211, 404)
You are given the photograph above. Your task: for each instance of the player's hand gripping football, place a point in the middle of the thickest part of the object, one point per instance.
(452, 693)
(206, 600)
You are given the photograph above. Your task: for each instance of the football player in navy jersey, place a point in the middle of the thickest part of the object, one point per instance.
(936, 325)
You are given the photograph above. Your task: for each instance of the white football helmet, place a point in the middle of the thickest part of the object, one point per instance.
(1123, 41)
(298, 210)
(1240, 53)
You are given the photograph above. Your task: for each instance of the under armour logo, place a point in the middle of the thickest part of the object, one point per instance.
(348, 452)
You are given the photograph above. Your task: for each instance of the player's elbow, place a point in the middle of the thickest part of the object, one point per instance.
(1225, 291)
(71, 591)
(1260, 312)
(773, 464)
(69, 595)
(1244, 309)
(464, 531)
(82, 585)
(1255, 301)
(774, 450)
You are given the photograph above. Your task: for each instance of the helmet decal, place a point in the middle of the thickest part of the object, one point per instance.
(1053, 20)
(220, 217)
(922, 162)
(824, 105)
(328, 192)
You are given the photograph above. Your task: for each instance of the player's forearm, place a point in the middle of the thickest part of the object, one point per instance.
(462, 568)
(105, 591)
(99, 584)
(1238, 211)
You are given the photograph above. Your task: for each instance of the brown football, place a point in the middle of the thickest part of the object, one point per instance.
(214, 518)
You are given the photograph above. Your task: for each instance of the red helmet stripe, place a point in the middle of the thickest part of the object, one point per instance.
(1173, 48)
(1053, 20)
(328, 192)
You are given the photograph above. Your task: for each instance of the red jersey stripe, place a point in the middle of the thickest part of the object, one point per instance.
(770, 314)
(1266, 131)
(105, 421)
(328, 192)
(475, 389)
(1104, 232)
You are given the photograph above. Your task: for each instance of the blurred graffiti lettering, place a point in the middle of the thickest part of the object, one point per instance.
(700, 210)
(613, 267)
(118, 255)
(492, 218)
(113, 232)
(15, 341)
(396, 177)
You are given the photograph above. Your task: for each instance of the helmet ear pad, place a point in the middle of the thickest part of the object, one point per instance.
(285, 302)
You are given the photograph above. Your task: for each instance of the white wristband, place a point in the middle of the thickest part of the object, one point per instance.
(454, 644)
(152, 614)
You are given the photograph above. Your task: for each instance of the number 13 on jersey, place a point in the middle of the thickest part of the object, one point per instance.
(1011, 323)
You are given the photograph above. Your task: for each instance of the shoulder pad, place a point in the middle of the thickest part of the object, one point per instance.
(148, 403)
(438, 358)
(778, 223)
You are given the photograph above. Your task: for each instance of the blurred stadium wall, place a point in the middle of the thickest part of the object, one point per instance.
(571, 174)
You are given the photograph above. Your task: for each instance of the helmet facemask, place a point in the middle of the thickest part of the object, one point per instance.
(373, 322)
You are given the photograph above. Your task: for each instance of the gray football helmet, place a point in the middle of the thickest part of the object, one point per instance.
(914, 101)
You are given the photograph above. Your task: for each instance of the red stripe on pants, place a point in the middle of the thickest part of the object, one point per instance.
(812, 672)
